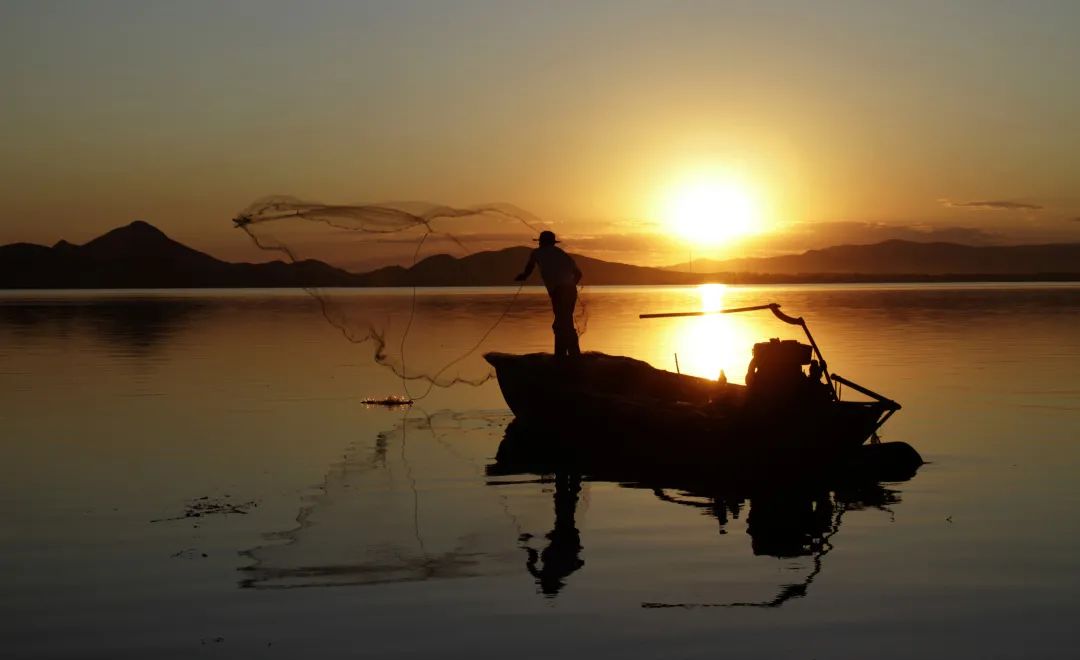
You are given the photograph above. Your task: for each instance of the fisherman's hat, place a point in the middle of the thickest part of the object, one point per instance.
(547, 238)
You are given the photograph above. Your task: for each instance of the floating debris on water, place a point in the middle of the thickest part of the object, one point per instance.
(206, 506)
(392, 401)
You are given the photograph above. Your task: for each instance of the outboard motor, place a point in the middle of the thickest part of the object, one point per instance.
(775, 374)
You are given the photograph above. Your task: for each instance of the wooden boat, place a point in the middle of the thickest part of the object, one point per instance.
(625, 409)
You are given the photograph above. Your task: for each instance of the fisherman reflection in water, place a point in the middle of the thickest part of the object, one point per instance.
(562, 556)
(561, 276)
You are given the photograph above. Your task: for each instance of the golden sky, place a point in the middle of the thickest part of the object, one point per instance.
(843, 121)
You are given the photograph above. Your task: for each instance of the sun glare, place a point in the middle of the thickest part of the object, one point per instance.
(711, 344)
(712, 212)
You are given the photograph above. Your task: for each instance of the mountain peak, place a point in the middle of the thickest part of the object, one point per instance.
(142, 227)
(139, 240)
(138, 232)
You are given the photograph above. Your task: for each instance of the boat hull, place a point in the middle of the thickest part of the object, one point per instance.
(623, 409)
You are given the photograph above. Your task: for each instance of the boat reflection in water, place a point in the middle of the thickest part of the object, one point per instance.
(427, 502)
(795, 518)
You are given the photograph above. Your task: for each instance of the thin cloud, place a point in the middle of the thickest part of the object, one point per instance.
(994, 205)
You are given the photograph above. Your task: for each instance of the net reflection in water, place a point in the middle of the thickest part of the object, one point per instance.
(405, 507)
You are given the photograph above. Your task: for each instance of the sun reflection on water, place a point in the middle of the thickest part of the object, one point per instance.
(706, 345)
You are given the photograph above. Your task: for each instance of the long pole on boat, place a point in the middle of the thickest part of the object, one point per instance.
(668, 315)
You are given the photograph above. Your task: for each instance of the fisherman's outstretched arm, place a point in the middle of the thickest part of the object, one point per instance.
(528, 268)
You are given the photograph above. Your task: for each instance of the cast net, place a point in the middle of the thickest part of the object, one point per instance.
(423, 247)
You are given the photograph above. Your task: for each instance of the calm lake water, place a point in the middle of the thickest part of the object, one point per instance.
(331, 529)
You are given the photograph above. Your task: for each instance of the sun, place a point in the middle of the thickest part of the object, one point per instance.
(712, 212)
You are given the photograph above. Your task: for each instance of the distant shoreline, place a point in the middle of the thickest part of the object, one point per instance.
(140, 256)
(1040, 278)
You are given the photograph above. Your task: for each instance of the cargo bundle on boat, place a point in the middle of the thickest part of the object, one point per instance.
(789, 412)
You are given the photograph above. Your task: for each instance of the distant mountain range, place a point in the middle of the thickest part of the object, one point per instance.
(141, 256)
(897, 257)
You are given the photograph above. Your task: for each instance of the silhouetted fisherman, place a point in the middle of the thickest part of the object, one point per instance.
(561, 276)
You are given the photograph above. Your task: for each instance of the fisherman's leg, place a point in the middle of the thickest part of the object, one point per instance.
(560, 349)
(573, 348)
(565, 298)
(565, 336)
(571, 332)
(560, 341)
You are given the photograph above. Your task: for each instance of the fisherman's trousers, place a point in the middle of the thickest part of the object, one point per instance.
(563, 300)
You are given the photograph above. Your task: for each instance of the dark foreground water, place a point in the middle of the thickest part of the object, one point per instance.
(326, 528)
